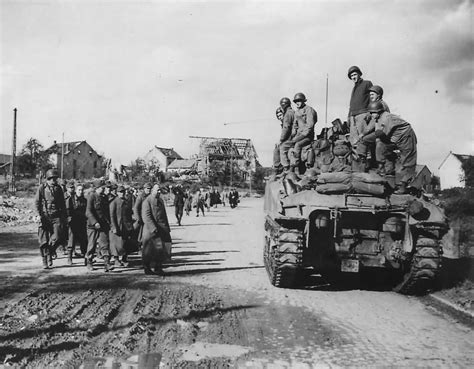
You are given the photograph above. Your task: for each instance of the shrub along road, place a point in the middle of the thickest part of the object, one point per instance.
(215, 308)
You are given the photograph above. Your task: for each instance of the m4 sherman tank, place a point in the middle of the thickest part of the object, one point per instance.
(346, 222)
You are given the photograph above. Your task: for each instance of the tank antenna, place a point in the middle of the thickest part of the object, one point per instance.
(327, 88)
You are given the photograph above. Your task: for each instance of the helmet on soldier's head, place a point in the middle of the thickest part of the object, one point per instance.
(52, 173)
(285, 101)
(353, 69)
(299, 97)
(377, 89)
(375, 107)
(279, 113)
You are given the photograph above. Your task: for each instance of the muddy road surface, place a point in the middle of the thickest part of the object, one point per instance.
(214, 309)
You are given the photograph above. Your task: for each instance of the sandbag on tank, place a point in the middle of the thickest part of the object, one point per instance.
(328, 188)
(368, 178)
(375, 189)
(334, 177)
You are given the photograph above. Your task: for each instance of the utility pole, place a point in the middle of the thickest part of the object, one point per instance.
(327, 88)
(12, 188)
(62, 158)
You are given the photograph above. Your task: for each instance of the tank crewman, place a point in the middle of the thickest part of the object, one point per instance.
(121, 226)
(276, 151)
(98, 226)
(137, 210)
(394, 133)
(178, 203)
(358, 116)
(49, 202)
(288, 131)
(376, 94)
(155, 223)
(305, 118)
(76, 205)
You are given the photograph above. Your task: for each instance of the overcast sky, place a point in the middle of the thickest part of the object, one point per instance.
(127, 75)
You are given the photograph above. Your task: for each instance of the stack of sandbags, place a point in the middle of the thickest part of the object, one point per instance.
(336, 182)
(357, 182)
(370, 183)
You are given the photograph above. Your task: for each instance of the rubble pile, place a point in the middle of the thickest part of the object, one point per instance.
(15, 211)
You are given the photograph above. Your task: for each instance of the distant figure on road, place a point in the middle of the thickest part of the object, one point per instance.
(121, 226)
(178, 202)
(156, 232)
(199, 202)
(188, 203)
(233, 198)
(49, 203)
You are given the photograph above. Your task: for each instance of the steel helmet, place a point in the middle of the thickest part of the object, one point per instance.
(353, 69)
(52, 173)
(299, 97)
(375, 107)
(377, 89)
(285, 101)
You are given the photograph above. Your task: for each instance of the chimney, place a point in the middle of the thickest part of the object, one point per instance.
(54, 142)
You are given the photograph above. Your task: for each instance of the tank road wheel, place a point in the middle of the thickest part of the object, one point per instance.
(423, 268)
(283, 254)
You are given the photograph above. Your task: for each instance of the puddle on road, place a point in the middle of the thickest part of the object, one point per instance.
(203, 350)
(140, 361)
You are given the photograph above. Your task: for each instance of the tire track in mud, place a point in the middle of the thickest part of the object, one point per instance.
(47, 329)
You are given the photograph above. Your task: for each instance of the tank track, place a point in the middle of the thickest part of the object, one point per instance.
(424, 266)
(283, 254)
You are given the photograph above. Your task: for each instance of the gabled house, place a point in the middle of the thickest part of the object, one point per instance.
(451, 173)
(423, 178)
(161, 156)
(80, 160)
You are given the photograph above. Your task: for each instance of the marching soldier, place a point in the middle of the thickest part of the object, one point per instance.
(156, 231)
(137, 210)
(121, 226)
(98, 226)
(178, 203)
(394, 133)
(49, 203)
(76, 205)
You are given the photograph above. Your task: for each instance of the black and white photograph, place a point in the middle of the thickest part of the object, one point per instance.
(236, 184)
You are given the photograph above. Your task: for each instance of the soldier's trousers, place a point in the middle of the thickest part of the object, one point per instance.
(77, 235)
(97, 239)
(276, 157)
(357, 126)
(284, 147)
(50, 234)
(296, 151)
(178, 211)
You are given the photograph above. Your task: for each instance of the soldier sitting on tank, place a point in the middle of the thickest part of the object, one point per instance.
(394, 133)
(286, 117)
(320, 156)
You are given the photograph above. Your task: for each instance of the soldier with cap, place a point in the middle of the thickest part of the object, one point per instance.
(394, 133)
(358, 116)
(156, 231)
(49, 202)
(76, 205)
(121, 226)
(98, 226)
(137, 210)
(305, 120)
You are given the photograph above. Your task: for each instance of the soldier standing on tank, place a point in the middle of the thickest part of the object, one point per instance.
(76, 205)
(305, 119)
(287, 133)
(49, 203)
(277, 166)
(137, 210)
(394, 133)
(98, 226)
(358, 116)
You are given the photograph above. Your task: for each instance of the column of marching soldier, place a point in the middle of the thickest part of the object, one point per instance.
(113, 221)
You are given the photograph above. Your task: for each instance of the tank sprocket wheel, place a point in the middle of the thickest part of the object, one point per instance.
(423, 268)
(283, 254)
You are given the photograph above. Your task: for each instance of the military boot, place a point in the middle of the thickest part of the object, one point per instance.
(45, 262)
(88, 263)
(107, 266)
(69, 257)
(402, 189)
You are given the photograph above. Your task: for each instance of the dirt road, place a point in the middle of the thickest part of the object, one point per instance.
(215, 309)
